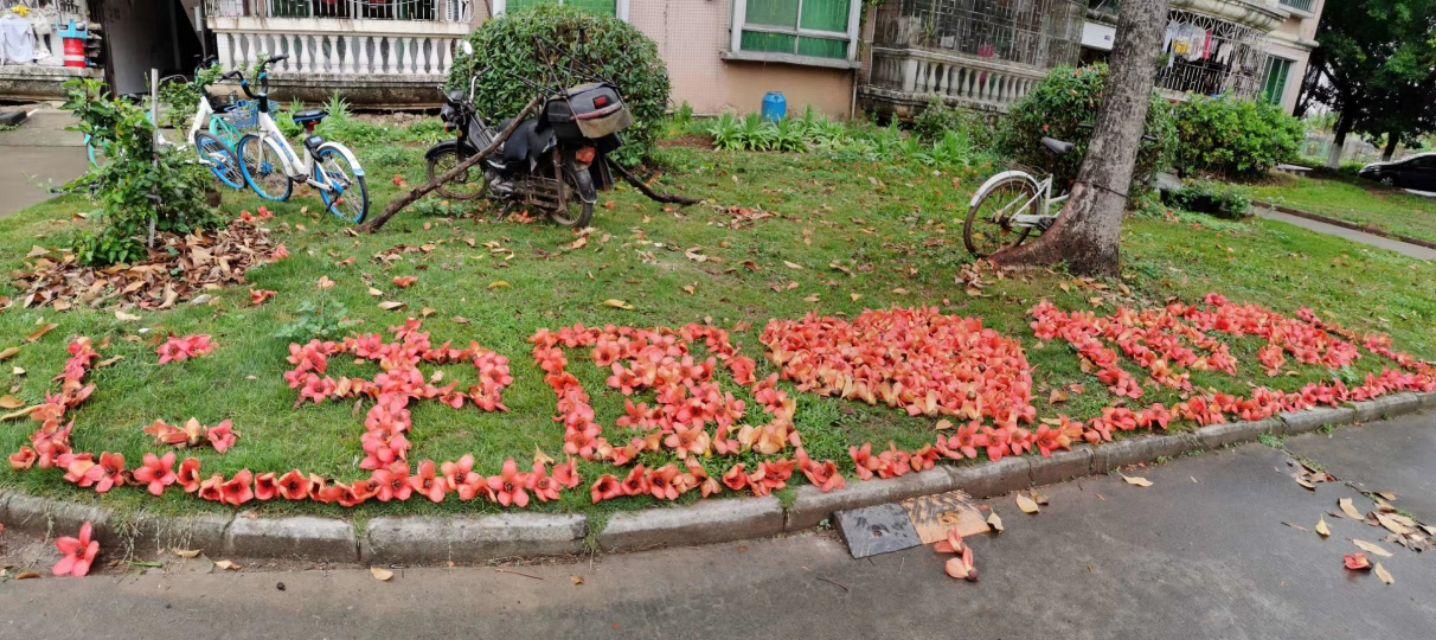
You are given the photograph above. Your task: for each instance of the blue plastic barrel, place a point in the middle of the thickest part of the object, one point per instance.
(775, 106)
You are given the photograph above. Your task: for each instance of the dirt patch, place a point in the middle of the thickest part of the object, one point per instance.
(690, 141)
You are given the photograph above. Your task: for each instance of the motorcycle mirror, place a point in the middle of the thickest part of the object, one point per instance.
(466, 48)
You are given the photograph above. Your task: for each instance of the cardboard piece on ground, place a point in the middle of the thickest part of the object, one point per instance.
(935, 515)
(879, 529)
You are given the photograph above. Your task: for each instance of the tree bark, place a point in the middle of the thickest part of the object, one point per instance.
(1338, 142)
(1393, 144)
(1087, 235)
(419, 192)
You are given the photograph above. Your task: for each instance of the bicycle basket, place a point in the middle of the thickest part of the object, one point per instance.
(243, 115)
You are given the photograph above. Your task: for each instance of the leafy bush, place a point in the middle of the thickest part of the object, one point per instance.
(1209, 196)
(323, 320)
(939, 118)
(1234, 138)
(1064, 106)
(560, 46)
(142, 189)
(182, 98)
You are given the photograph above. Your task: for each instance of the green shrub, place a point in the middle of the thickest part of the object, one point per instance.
(1209, 196)
(142, 189)
(181, 98)
(564, 46)
(1234, 138)
(939, 119)
(1064, 106)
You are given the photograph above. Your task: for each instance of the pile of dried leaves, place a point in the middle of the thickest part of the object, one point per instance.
(178, 269)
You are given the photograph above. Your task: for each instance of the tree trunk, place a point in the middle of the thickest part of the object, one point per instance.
(1393, 144)
(1088, 233)
(1338, 143)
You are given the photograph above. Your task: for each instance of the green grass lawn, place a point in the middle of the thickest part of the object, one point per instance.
(865, 235)
(1357, 201)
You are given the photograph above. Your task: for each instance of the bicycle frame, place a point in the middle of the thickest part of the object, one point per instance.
(297, 170)
(1042, 195)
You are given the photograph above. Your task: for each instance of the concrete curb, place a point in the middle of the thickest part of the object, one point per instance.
(431, 540)
(428, 540)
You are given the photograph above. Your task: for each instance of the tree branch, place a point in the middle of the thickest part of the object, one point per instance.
(414, 195)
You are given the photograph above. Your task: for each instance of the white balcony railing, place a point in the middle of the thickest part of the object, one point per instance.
(916, 76)
(412, 10)
(416, 51)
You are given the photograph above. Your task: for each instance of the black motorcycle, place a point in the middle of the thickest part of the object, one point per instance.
(556, 161)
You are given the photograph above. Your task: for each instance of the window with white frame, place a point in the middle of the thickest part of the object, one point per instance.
(617, 8)
(796, 30)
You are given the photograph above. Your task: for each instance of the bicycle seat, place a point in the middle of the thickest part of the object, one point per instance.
(310, 115)
(1058, 147)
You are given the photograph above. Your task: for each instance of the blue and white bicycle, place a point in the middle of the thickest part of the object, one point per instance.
(271, 166)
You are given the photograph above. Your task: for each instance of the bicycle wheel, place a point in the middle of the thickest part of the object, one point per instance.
(263, 168)
(348, 195)
(468, 186)
(222, 160)
(988, 227)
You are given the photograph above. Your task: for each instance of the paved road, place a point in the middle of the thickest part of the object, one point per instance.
(1203, 553)
(36, 156)
(1405, 248)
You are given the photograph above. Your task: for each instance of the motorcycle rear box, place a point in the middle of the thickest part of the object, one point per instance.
(592, 111)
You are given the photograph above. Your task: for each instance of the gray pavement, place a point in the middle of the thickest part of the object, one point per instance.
(1203, 553)
(1404, 248)
(38, 155)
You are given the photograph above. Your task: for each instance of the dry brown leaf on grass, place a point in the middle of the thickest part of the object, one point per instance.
(499, 284)
(44, 330)
(392, 305)
(617, 304)
(8, 353)
(11, 402)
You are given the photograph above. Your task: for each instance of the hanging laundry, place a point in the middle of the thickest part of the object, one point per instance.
(17, 40)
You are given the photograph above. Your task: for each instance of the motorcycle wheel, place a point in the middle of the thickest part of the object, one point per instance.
(468, 186)
(578, 214)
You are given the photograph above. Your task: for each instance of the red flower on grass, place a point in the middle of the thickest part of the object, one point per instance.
(510, 487)
(606, 487)
(157, 473)
(294, 486)
(178, 349)
(79, 553)
(428, 483)
(239, 489)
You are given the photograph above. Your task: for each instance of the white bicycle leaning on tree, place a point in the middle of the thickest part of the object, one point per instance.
(271, 167)
(1011, 205)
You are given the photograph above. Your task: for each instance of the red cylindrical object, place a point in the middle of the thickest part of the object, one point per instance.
(75, 52)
